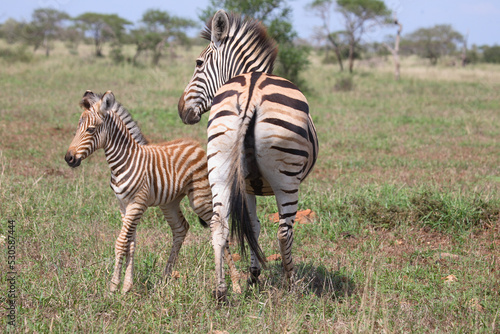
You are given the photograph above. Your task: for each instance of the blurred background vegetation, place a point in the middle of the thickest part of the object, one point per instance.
(158, 34)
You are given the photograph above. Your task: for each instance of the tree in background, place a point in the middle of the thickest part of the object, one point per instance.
(432, 43)
(11, 30)
(395, 50)
(103, 28)
(257, 9)
(72, 36)
(358, 15)
(159, 28)
(324, 10)
(47, 24)
(464, 50)
(292, 58)
(275, 14)
(491, 54)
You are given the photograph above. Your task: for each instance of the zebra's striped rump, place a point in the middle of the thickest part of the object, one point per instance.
(269, 122)
(261, 137)
(143, 175)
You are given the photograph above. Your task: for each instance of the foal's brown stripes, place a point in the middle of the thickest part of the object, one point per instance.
(144, 175)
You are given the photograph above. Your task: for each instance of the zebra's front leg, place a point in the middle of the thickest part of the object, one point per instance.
(125, 245)
(180, 227)
(129, 264)
(220, 233)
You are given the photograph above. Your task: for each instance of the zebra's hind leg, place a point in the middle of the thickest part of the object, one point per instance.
(125, 245)
(255, 267)
(285, 238)
(201, 202)
(287, 207)
(180, 227)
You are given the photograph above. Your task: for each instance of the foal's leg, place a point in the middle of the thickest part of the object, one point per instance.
(125, 245)
(233, 272)
(179, 226)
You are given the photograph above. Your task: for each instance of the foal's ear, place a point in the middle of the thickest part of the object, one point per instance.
(107, 102)
(88, 99)
(220, 27)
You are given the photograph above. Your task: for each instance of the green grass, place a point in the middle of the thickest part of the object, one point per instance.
(406, 192)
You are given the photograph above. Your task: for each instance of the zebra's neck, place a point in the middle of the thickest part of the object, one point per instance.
(120, 146)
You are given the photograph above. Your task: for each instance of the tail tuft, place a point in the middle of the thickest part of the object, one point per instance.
(241, 225)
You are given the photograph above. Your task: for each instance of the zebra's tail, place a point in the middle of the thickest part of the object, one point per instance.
(241, 226)
(202, 222)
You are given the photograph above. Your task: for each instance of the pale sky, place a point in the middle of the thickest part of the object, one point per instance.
(481, 18)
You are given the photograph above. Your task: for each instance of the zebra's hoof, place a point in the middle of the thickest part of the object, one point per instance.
(220, 294)
(254, 276)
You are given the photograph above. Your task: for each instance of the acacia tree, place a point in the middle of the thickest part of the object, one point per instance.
(275, 14)
(72, 37)
(324, 9)
(103, 28)
(47, 24)
(12, 30)
(434, 42)
(159, 28)
(358, 15)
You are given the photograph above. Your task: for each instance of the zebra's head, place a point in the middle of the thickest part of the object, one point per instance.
(91, 132)
(236, 46)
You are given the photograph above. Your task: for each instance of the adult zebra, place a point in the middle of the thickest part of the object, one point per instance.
(143, 175)
(261, 138)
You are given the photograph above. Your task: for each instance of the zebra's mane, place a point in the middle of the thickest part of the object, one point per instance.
(251, 27)
(124, 115)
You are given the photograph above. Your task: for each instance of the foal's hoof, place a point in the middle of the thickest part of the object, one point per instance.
(236, 287)
(113, 287)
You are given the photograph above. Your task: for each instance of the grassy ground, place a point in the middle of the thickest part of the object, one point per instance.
(406, 195)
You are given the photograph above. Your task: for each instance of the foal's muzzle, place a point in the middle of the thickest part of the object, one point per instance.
(71, 160)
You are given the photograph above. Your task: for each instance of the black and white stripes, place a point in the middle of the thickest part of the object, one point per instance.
(261, 138)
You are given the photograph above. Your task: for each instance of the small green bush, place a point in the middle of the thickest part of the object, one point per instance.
(492, 54)
(116, 55)
(344, 84)
(16, 54)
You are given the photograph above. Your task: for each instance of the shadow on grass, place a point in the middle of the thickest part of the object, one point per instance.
(312, 279)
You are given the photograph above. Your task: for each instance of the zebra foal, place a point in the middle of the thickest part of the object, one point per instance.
(144, 175)
(261, 137)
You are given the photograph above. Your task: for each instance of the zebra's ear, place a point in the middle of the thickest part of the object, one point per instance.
(220, 27)
(107, 102)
